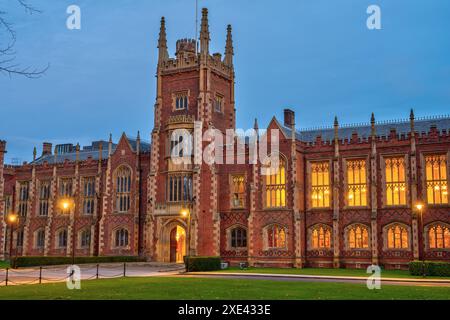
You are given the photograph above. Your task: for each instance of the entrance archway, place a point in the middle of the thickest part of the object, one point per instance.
(177, 244)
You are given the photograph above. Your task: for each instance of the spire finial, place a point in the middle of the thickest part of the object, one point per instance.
(336, 123)
(412, 118)
(372, 124)
(138, 135)
(34, 153)
(204, 33)
(163, 54)
(255, 125)
(229, 51)
(110, 138)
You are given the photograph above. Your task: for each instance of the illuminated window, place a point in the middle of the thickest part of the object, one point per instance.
(276, 237)
(62, 238)
(89, 195)
(395, 181)
(238, 238)
(320, 184)
(123, 189)
(397, 237)
(436, 179)
(439, 237)
(276, 186)
(121, 238)
(23, 198)
(356, 183)
(358, 237)
(44, 196)
(320, 237)
(237, 191)
(179, 187)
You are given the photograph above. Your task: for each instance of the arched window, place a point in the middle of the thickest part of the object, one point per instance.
(62, 238)
(276, 237)
(121, 238)
(321, 237)
(123, 189)
(276, 186)
(238, 238)
(397, 237)
(85, 238)
(358, 236)
(439, 237)
(40, 238)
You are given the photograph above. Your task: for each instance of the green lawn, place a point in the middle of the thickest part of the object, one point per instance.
(329, 272)
(4, 264)
(185, 288)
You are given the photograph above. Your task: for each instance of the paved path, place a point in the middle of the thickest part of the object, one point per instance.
(316, 278)
(88, 272)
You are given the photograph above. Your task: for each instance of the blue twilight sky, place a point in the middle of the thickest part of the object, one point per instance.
(315, 56)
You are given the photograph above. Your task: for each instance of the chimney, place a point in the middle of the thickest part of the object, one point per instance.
(289, 118)
(46, 149)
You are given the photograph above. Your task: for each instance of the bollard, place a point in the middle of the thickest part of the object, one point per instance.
(40, 275)
(96, 275)
(124, 269)
(6, 279)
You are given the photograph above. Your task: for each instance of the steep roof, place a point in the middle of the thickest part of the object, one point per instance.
(91, 151)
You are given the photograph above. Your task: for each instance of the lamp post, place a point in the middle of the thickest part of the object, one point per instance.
(419, 208)
(186, 213)
(12, 219)
(66, 204)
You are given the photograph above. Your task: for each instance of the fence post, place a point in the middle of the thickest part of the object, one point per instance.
(124, 269)
(6, 279)
(40, 275)
(96, 275)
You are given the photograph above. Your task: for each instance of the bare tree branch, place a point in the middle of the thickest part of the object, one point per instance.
(7, 66)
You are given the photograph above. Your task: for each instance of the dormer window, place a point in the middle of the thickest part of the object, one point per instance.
(181, 101)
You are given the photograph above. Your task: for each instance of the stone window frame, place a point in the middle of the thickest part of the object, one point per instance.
(84, 197)
(345, 183)
(228, 239)
(8, 203)
(383, 157)
(230, 181)
(178, 93)
(266, 237)
(115, 193)
(36, 238)
(309, 183)
(424, 179)
(220, 96)
(80, 238)
(427, 237)
(16, 237)
(113, 238)
(23, 203)
(309, 232)
(385, 236)
(346, 236)
(40, 199)
(57, 234)
(264, 185)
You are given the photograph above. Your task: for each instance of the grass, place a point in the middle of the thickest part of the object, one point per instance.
(4, 264)
(329, 272)
(186, 288)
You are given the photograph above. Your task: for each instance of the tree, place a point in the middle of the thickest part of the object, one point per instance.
(8, 63)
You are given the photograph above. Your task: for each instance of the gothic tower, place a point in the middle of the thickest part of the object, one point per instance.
(193, 89)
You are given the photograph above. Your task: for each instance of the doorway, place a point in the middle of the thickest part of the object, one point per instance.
(177, 244)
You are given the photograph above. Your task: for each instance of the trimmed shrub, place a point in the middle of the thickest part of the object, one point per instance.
(202, 263)
(429, 268)
(49, 261)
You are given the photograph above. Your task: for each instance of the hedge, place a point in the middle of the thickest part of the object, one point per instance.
(48, 261)
(202, 263)
(429, 268)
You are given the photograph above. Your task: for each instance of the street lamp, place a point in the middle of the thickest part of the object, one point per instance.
(419, 206)
(185, 213)
(66, 204)
(12, 219)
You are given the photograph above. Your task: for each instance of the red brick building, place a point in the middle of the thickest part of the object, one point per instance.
(343, 196)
